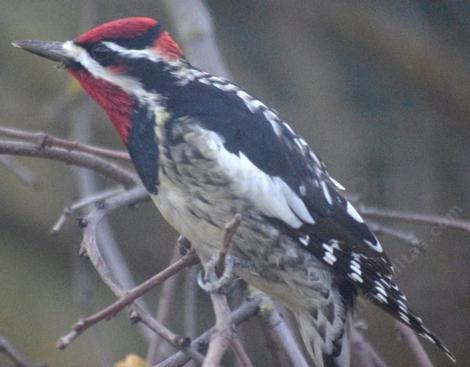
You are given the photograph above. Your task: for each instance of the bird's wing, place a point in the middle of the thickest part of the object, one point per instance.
(276, 169)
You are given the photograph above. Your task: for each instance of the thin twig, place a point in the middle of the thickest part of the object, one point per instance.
(239, 351)
(407, 237)
(128, 298)
(243, 313)
(90, 247)
(224, 331)
(408, 216)
(84, 183)
(97, 164)
(95, 198)
(280, 333)
(411, 340)
(46, 140)
(223, 321)
(163, 312)
(229, 231)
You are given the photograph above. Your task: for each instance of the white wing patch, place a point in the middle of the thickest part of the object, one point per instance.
(377, 246)
(353, 213)
(326, 192)
(271, 195)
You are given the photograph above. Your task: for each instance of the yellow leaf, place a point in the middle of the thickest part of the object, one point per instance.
(131, 360)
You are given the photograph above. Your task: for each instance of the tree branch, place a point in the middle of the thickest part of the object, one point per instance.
(45, 140)
(96, 199)
(402, 215)
(100, 165)
(224, 331)
(127, 298)
(90, 247)
(243, 313)
(279, 334)
(411, 340)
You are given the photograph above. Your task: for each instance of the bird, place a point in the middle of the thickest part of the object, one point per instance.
(206, 151)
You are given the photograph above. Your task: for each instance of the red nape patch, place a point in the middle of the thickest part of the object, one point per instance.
(117, 104)
(120, 28)
(167, 47)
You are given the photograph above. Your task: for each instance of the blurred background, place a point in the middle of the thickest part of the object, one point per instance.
(380, 89)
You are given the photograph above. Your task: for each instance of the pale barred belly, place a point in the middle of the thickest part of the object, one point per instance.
(265, 258)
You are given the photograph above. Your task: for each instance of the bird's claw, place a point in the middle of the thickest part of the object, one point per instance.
(210, 282)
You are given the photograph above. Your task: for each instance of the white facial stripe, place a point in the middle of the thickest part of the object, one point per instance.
(129, 85)
(146, 53)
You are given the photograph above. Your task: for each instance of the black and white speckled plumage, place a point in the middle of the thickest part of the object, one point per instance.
(206, 150)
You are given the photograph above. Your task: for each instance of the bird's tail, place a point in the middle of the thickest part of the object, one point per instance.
(327, 339)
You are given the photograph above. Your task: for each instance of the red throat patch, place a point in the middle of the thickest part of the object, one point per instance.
(117, 104)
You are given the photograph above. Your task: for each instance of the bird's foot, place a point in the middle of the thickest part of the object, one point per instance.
(215, 280)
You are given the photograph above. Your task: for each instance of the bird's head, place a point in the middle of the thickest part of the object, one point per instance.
(121, 64)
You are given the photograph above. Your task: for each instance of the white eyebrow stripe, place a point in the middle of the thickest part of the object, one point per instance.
(146, 53)
(126, 83)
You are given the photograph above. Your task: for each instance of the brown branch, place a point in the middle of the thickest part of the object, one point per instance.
(239, 351)
(225, 333)
(403, 215)
(411, 340)
(12, 353)
(407, 237)
(45, 140)
(279, 334)
(229, 231)
(163, 312)
(97, 164)
(96, 199)
(243, 313)
(90, 247)
(128, 298)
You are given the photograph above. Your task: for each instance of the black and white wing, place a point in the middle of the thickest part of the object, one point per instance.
(278, 172)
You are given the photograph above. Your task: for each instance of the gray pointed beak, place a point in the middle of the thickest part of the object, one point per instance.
(51, 50)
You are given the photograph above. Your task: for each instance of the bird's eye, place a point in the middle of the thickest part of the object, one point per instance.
(101, 53)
